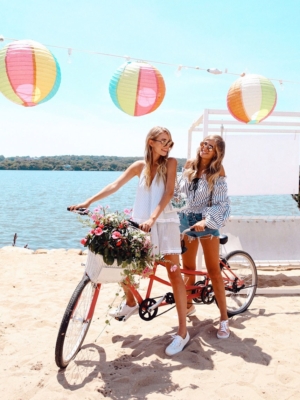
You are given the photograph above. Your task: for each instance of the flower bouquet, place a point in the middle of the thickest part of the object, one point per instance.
(113, 242)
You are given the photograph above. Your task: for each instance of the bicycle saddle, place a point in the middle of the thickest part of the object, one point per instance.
(223, 239)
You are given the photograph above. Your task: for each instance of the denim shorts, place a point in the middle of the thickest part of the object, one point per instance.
(190, 219)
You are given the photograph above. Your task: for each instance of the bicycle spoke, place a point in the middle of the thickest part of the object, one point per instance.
(74, 325)
(78, 323)
(240, 279)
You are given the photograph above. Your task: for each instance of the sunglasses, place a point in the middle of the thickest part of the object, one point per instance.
(207, 145)
(164, 142)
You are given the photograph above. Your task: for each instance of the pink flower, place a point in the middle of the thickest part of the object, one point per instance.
(92, 231)
(119, 242)
(173, 268)
(116, 235)
(147, 244)
(98, 209)
(127, 211)
(83, 241)
(98, 231)
(146, 272)
(94, 217)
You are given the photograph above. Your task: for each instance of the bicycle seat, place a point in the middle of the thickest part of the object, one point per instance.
(223, 239)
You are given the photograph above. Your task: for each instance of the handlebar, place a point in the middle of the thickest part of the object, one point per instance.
(85, 211)
(80, 211)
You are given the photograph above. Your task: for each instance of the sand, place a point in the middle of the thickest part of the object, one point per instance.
(260, 360)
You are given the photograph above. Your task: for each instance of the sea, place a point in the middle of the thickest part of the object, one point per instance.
(33, 205)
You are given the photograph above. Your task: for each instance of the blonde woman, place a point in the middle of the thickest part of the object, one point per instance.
(157, 174)
(204, 183)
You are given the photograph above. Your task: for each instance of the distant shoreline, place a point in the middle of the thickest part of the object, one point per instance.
(71, 163)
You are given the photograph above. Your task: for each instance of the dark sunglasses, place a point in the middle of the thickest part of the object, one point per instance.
(164, 142)
(207, 145)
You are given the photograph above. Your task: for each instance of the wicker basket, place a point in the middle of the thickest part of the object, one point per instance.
(99, 272)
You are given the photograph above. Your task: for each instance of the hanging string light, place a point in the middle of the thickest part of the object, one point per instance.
(127, 58)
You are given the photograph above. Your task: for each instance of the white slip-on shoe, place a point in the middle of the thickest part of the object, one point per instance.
(223, 331)
(124, 311)
(177, 344)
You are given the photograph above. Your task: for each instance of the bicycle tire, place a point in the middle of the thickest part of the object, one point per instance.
(74, 326)
(239, 295)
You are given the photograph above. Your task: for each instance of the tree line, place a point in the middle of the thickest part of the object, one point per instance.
(72, 163)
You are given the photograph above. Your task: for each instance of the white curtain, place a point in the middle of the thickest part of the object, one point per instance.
(262, 164)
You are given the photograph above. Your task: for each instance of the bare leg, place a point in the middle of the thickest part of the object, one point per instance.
(211, 254)
(189, 262)
(130, 300)
(179, 292)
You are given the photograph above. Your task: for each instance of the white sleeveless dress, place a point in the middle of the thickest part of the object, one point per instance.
(165, 233)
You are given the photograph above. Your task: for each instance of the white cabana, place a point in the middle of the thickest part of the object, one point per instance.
(260, 159)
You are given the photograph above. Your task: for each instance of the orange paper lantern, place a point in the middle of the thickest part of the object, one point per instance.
(251, 99)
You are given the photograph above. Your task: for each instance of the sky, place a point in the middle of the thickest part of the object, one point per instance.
(261, 37)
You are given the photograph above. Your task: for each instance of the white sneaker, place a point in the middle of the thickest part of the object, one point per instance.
(223, 331)
(177, 345)
(124, 311)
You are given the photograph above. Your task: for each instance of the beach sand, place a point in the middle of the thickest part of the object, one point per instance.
(260, 360)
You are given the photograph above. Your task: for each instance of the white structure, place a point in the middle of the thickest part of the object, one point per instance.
(222, 122)
(254, 165)
(260, 159)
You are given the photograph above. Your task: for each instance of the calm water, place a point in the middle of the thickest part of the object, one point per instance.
(33, 205)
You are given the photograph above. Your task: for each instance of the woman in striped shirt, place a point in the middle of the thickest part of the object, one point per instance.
(204, 183)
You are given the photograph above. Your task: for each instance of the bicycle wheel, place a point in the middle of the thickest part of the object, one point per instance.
(74, 325)
(240, 279)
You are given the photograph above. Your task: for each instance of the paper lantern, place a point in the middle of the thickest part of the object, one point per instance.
(251, 99)
(137, 88)
(29, 73)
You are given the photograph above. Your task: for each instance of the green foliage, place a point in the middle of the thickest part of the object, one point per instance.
(72, 163)
(113, 237)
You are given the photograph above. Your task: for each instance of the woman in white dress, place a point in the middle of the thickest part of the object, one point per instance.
(157, 175)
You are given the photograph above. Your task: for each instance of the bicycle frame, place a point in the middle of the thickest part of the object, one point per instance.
(154, 278)
(233, 284)
(229, 283)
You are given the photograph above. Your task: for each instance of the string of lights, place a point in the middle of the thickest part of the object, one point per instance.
(214, 71)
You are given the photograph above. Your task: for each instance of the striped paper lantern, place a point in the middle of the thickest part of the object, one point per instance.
(29, 73)
(137, 88)
(251, 99)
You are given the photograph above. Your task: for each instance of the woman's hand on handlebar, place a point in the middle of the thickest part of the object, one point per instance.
(199, 226)
(85, 204)
(147, 225)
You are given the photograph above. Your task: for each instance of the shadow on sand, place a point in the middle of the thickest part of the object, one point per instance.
(124, 377)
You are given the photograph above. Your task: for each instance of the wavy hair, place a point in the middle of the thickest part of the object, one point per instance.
(161, 162)
(213, 170)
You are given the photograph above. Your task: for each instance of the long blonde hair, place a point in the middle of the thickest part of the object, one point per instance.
(161, 162)
(213, 170)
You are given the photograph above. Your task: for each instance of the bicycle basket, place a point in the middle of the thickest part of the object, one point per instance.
(99, 272)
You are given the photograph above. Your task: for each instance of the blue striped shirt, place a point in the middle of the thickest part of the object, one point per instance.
(198, 200)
